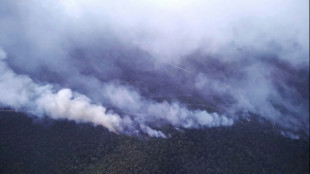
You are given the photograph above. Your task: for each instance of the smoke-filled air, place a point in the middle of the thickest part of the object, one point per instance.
(138, 66)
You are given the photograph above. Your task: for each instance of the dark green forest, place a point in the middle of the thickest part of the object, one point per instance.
(36, 146)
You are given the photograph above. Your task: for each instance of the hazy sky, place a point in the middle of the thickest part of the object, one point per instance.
(135, 66)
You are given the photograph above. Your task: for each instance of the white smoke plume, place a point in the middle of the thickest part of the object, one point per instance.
(21, 93)
(138, 65)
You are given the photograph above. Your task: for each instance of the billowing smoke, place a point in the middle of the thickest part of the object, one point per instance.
(137, 66)
(21, 93)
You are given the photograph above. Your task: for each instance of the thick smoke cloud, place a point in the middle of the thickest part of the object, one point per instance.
(21, 93)
(137, 66)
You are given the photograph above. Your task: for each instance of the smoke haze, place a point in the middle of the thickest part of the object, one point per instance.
(136, 66)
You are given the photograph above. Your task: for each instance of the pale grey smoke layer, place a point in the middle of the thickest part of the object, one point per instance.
(21, 93)
(139, 65)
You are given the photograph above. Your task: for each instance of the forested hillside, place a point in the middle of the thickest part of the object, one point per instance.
(29, 145)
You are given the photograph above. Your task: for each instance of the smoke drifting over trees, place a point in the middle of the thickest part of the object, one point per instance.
(136, 66)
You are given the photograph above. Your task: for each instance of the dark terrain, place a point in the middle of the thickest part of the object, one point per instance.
(36, 146)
